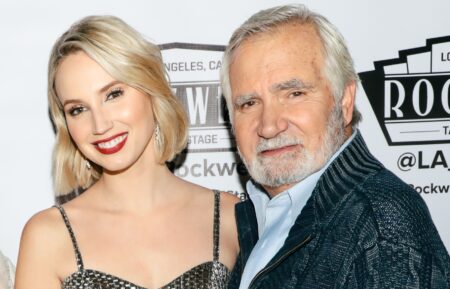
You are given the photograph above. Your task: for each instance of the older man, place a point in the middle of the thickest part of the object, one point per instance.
(323, 212)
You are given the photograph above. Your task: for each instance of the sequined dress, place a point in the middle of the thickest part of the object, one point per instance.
(209, 275)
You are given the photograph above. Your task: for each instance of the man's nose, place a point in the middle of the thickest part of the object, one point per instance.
(101, 121)
(272, 120)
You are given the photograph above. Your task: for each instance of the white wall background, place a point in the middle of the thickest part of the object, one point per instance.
(375, 30)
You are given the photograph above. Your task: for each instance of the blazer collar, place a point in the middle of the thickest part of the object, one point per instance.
(347, 171)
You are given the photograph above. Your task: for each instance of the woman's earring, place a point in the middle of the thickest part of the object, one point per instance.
(158, 136)
(88, 165)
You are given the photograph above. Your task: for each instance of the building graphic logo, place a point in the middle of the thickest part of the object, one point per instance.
(410, 94)
(194, 77)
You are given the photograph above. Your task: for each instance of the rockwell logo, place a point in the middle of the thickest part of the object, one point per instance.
(431, 188)
(194, 76)
(410, 94)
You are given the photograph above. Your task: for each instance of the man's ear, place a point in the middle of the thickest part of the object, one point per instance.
(348, 102)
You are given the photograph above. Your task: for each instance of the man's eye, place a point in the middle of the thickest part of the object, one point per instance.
(292, 97)
(296, 93)
(114, 93)
(247, 104)
(76, 110)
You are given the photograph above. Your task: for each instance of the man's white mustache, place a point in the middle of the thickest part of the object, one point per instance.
(276, 143)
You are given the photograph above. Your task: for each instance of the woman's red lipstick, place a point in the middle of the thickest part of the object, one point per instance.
(112, 144)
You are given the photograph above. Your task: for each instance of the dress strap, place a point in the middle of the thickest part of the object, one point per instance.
(216, 232)
(80, 265)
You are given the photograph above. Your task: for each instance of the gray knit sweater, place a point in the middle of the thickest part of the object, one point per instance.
(362, 228)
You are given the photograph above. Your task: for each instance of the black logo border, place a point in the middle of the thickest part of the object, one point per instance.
(378, 73)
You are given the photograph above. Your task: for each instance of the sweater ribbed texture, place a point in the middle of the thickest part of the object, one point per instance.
(361, 228)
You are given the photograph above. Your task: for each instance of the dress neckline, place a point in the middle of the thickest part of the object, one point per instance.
(123, 281)
(81, 272)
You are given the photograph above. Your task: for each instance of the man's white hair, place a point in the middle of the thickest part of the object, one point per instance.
(338, 70)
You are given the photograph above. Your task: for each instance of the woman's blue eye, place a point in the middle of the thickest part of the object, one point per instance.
(76, 110)
(114, 93)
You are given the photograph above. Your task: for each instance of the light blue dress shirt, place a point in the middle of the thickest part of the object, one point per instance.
(275, 218)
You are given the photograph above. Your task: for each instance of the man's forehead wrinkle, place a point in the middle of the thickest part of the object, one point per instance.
(294, 83)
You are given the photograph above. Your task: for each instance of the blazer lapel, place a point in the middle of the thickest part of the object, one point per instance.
(300, 234)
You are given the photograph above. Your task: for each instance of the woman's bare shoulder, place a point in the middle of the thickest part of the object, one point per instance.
(229, 200)
(228, 222)
(43, 232)
(45, 224)
(42, 239)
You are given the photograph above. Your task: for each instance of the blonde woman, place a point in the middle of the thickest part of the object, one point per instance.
(136, 225)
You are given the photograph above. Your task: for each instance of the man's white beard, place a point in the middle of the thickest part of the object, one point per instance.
(292, 167)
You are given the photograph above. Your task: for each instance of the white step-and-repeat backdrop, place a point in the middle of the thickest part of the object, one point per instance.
(401, 49)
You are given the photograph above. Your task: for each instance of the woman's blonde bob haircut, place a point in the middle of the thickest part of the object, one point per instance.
(124, 54)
